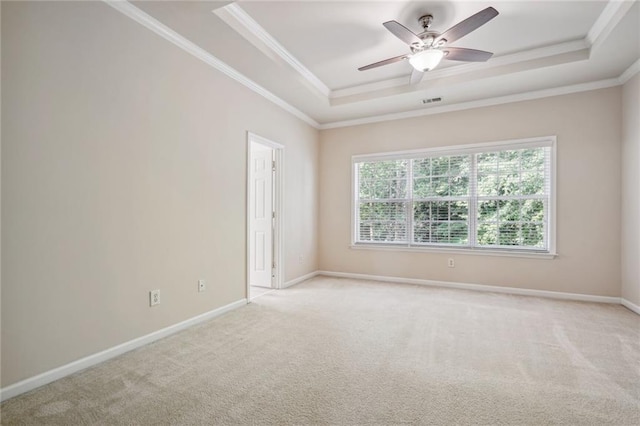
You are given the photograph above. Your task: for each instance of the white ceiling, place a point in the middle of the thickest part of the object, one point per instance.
(306, 53)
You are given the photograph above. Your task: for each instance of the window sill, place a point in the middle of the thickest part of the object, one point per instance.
(473, 252)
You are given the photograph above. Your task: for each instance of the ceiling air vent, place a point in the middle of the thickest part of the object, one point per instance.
(432, 100)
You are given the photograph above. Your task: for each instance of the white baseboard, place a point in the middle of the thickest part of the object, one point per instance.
(478, 287)
(300, 279)
(629, 305)
(81, 364)
(91, 360)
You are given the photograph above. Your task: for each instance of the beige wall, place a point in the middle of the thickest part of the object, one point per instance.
(631, 190)
(587, 126)
(0, 199)
(123, 170)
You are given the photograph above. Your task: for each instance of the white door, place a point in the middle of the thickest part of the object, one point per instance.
(261, 216)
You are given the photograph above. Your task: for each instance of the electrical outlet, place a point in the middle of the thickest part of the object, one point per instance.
(154, 297)
(451, 263)
(300, 259)
(202, 286)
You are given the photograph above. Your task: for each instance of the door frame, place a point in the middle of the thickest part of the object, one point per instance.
(278, 208)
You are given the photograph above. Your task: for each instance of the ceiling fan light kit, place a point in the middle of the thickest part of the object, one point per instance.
(429, 47)
(426, 60)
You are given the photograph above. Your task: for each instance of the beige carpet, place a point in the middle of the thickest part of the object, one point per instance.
(335, 351)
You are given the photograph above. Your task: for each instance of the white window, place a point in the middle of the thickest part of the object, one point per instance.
(495, 196)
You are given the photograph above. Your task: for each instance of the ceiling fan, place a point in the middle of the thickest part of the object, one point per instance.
(429, 47)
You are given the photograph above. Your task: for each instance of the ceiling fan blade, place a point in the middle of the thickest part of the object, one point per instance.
(472, 23)
(416, 76)
(467, 55)
(402, 32)
(385, 62)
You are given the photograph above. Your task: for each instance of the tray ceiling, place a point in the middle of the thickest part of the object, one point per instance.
(306, 53)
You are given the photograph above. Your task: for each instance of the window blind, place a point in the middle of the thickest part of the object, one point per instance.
(478, 197)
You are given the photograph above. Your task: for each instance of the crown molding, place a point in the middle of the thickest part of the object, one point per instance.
(526, 96)
(252, 27)
(611, 15)
(629, 72)
(167, 33)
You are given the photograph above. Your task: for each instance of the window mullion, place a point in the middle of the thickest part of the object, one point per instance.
(547, 198)
(409, 208)
(473, 200)
(355, 199)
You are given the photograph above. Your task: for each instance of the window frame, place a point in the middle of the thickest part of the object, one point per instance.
(468, 149)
